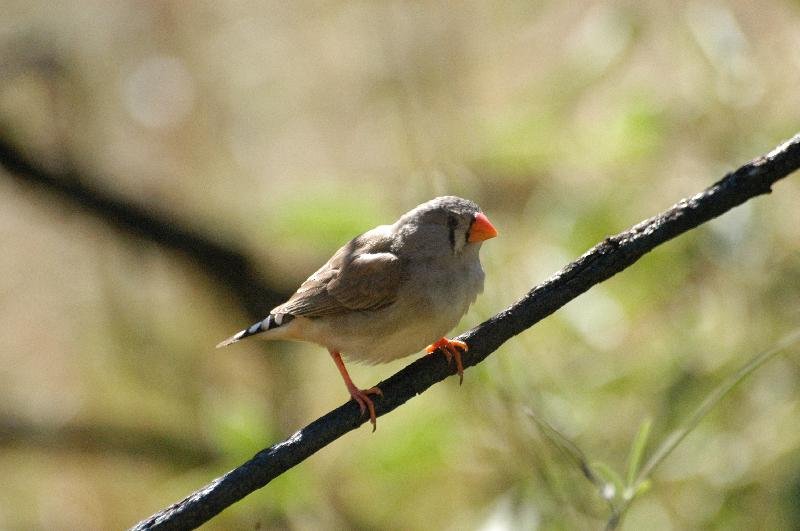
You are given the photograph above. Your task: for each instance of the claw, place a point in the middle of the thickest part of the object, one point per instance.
(450, 349)
(361, 396)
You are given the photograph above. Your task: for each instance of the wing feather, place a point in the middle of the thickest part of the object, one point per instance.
(362, 275)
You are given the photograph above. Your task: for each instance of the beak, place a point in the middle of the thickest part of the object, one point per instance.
(481, 229)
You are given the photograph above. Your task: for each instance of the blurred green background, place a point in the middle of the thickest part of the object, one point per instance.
(283, 130)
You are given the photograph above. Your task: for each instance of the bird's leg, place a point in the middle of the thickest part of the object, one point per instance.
(361, 396)
(450, 349)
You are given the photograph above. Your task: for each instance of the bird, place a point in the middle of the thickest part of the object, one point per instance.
(389, 292)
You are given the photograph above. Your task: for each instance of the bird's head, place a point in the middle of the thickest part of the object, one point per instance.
(448, 221)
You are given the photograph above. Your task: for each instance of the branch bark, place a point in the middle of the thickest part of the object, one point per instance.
(601, 262)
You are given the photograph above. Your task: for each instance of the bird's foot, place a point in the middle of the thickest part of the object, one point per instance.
(450, 349)
(361, 396)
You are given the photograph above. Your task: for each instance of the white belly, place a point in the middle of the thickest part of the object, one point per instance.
(418, 318)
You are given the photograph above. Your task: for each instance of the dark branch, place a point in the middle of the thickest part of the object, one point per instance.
(227, 265)
(102, 438)
(600, 263)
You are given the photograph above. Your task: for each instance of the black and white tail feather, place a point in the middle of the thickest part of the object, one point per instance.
(271, 322)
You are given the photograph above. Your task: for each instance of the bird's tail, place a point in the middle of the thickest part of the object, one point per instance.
(272, 321)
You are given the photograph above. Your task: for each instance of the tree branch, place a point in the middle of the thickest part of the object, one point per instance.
(104, 438)
(598, 264)
(229, 266)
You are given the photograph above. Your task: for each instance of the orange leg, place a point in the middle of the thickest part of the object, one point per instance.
(360, 396)
(450, 349)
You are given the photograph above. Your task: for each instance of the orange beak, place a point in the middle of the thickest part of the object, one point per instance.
(481, 229)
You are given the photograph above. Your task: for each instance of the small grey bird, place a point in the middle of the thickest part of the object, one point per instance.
(389, 292)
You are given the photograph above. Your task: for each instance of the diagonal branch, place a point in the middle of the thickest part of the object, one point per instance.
(598, 264)
(229, 266)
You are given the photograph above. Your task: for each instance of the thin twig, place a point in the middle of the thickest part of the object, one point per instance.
(598, 264)
(675, 438)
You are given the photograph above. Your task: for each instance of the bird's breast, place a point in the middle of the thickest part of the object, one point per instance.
(429, 304)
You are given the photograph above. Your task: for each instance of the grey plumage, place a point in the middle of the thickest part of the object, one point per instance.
(390, 291)
(368, 273)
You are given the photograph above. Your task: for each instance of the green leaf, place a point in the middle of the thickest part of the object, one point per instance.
(563, 443)
(716, 396)
(637, 451)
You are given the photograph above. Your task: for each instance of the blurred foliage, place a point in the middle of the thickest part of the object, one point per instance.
(288, 129)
